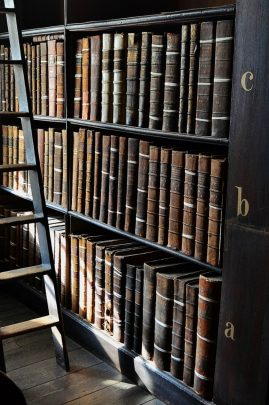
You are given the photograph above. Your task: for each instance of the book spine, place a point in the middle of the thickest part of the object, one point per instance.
(7, 80)
(108, 325)
(5, 152)
(113, 180)
(75, 171)
(153, 194)
(138, 310)
(132, 172)
(46, 164)
(82, 278)
(38, 80)
(129, 306)
(184, 70)
(89, 173)
(95, 100)
(65, 170)
(74, 273)
(97, 174)
(52, 77)
(144, 80)
(58, 168)
(78, 80)
(90, 274)
(99, 287)
(165, 168)
(15, 156)
(44, 77)
(193, 72)
(105, 178)
(33, 78)
(65, 271)
(107, 77)
(51, 164)
(81, 170)
(41, 146)
(60, 80)
(121, 189)
(85, 78)
(119, 78)
(142, 189)
(10, 155)
(119, 276)
(133, 56)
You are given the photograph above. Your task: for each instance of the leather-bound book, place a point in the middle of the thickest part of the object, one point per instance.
(60, 79)
(38, 80)
(5, 152)
(10, 154)
(201, 223)
(7, 77)
(171, 83)
(97, 174)
(74, 270)
(121, 188)
(2, 78)
(205, 78)
(78, 80)
(131, 186)
(138, 309)
(75, 171)
(193, 72)
(29, 66)
(105, 178)
(119, 78)
(51, 164)
(191, 309)
(165, 169)
(85, 78)
(215, 216)
(207, 332)
(89, 172)
(44, 77)
(46, 164)
(142, 189)
(176, 199)
(65, 271)
(82, 277)
(41, 151)
(222, 79)
(65, 173)
(107, 77)
(81, 170)
(153, 193)
(113, 180)
(133, 58)
(15, 156)
(129, 305)
(33, 84)
(58, 168)
(144, 80)
(96, 61)
(157, 81)
(52, 54)
(189, 207)
(184, 72)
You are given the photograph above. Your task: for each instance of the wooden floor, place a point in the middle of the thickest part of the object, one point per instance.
(31, 364)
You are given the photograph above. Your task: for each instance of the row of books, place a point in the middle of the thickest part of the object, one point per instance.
(175, 81)
(45, 71)
(163, 194)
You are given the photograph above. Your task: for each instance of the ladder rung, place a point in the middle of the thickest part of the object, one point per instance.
(23, 219)
(4, 10)
(10, 62)
(13, 114)
(24, 272)
(28, 326)
(17, 167)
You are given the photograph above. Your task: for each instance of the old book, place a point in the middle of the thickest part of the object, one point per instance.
(51, 164)
(7, 79)
(10, 154)
(138, 309)
(153, 193)
(81, 170)
(52, 54)
(74, 271)
(44, 77)
(41, 147)
(82, 277)
(205, 78)
(86, 78)
(107, 77)
(97, 174)
(131, 191)
(58, 168)
(15, 131)
(95, 99)
(184, 71)
(129, 305)
(193, 71)
(144, 80)
(189, 205)
(46, 164)
(105, 178)
(207, 331)
(38, 80)
(201, 222)
(29, 67)
(5, 152)
(33, 81)
(222, 79)
(65, 173)
(113, 180)
(65, 271)
(119, 78)
(176, 199)
(157, 81)
(121, 188)
(165, 168)
(215, 216)
(59, 79)
(171, 83)
(133, 56)
(75, 171)
(89, 172)
(78, 80)
(142, 189)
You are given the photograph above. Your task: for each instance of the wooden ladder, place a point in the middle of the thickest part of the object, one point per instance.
(46, 269)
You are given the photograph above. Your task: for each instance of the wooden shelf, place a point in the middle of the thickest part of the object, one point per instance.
(47, 118)
(58, 29)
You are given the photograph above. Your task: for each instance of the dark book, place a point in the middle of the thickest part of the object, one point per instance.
(10, 154)
(59, 79)
(58, 168)
(38, 79)
(78, 80)
(138, 310)
(193, 72)
(121, 187)
(171, 83)
(131, 186)
(105, 178)
(74, 271)
(75, 171)
(207, 332)
(107, 77)
(33, 83)
(41, 151)
(113, 180)
(81, 170)
(133, 56)
(52, 54)
(65, 271)
(153, 193)
(44, 78)
(184, 72)
(144, 80)
(15, 131)
(119, 78)
(89, 172)
(129, 305)
(222, 79)
(46, 164)
(85, 86)
(5, 152)
(205, 78)
(97, 174)
(142, 189)
(165, 168)
(51, 164)
(95, 95)
(157, 81)
(176, 199)
(65, 173)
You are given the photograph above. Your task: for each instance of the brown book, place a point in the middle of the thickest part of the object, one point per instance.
(107, 77)
(142, 189)
(105, 178)
(119, 78)
(193, 71)
(89, 172)
(144, 80)
(86, 78)
(113, 180)
(138, 309)
(121, 189)
(82, 276)
(205, 79)
(131, 187)
(2, 78)
(97, 174)
(171, 83)
(95, 100)
(52, 54)
(10, 154)
(207, 331)
(5, 152)
(189, 207)
(222, 79)
(74, 270)
(38, 80)
(29, 67)
(58, 168)
(157, 81)
(215, 216)
(44, 77)
(65, 173)
(33, 79)
(81, 170)
(165, 169)
(46, 164)
(176, 199)
(133, 56)
(60, 79)
(15, 131)
(51, 164)
(78, 80)
(184, 71)
(65, 271)
(129, 305)
(7, 79)
(153, 193)
(75, 171)
(41, 149)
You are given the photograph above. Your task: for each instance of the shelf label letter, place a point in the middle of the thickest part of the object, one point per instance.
(242, 204)
(247, 81)
(229, 331)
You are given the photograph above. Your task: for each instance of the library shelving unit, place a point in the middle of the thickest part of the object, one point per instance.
(242, 362)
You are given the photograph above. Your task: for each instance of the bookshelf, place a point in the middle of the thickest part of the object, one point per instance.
(242, 362)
